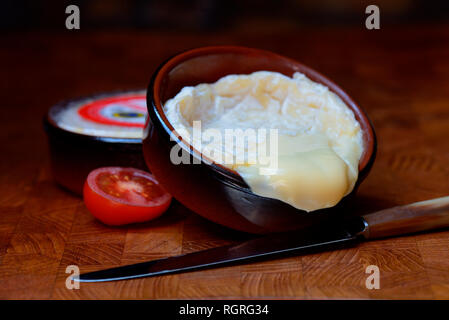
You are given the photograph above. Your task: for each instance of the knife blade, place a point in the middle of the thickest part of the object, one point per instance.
(261, 247)
(416, 217)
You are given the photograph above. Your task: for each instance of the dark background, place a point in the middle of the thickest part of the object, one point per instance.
(213, 15)
(120, 43)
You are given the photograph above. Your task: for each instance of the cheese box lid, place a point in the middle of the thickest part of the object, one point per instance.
(108, 115)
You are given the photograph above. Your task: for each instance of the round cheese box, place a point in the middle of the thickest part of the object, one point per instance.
(96, 131)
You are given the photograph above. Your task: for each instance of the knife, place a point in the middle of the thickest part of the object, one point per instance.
(400, 220)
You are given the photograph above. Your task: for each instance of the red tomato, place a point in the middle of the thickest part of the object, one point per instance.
(117, 196)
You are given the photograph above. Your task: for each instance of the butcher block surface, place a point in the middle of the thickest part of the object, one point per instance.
(400, 76)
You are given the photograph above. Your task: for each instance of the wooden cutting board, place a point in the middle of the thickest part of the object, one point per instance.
(400, 76)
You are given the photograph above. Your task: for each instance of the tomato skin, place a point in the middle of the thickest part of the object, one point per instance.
(115, 213)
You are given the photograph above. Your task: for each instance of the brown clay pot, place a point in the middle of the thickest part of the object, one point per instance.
(212, 190)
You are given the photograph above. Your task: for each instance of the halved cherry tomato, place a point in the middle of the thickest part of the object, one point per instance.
(117, 196)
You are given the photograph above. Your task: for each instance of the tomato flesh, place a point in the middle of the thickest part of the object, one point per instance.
(129, 187)
(119, 196)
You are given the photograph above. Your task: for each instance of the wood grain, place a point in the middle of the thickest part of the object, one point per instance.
(399, 76)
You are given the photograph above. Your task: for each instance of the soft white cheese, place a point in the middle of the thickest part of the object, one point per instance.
(319, 141)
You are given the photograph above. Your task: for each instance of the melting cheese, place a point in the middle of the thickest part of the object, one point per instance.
(319, 141)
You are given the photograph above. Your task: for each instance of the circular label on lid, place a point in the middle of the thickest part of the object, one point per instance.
(116, 115)
(118, 111)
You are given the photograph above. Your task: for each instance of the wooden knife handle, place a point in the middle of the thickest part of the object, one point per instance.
(415, 217)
